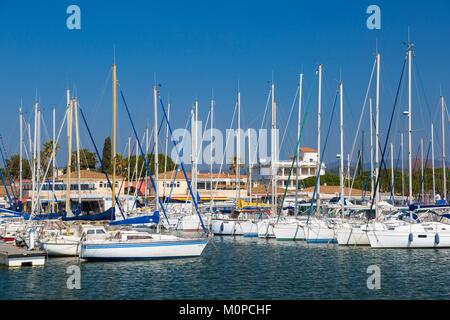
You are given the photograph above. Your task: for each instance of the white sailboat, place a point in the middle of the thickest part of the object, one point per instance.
(412, 234)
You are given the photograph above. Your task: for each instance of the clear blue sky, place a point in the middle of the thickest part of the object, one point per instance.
(196, 46)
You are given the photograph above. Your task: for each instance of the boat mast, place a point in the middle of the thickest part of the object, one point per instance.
(21, 153)
(297, 160)
(403, 166)
(444, 174)
(136, 170)
(69, 151)
(155, 139)
(38, 165)
(372, 182)
(432, 162)
(249, 165)
(410, 52)
(77, 141)
(128, 173)
(34, 161)
(211, 155)
(114, 137)
(166, 147)
(422, 180)
(341, 127)
(377, 132)
(392, 172)
(319, 107)
(238, 151)
(146, 154)
(53, 158)
(274, 152)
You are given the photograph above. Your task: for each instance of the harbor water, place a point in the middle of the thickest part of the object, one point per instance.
(244, 268)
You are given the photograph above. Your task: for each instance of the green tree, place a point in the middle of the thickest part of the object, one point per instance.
(106, 154)
(88, 160)
(46, 154)
(13, 164)
(150, 160)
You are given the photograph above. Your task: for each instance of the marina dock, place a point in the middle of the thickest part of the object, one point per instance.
(13, 256)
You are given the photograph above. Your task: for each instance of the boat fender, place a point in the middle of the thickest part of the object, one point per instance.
(410, 237)
(436, 239)
(221, 227)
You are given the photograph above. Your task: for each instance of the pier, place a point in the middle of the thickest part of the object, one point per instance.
(13, 256)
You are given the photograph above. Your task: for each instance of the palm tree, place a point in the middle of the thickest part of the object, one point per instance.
(46, 153)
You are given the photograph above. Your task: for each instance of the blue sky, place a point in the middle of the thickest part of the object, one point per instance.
(194, 47)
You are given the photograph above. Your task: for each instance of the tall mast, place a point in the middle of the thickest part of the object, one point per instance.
(166, 147)
(372, 182)
(20, 154)
(136, 169)
(341, 127)
(297, 160)
(69, 151)
(238, 151)
(410, 46)
(211, 155)
(114, 137)
(38, 164)
(274, 152)
(249, 165)
(53, 156)
(128, 173)
(444, 174)
(392, 171)
(193, 152)
(403, 167)
(377, 131)
(319, 110)
(432, 162)
(33, 173)
(147, 137)
(155, 140)
(422, 180)
(77, 142)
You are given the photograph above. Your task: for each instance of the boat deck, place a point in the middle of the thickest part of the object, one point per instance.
(13, 256)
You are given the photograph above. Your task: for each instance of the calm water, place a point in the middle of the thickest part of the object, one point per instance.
(240, 268)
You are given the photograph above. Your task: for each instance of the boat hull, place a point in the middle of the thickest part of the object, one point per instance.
(61, 249)
(352, 236)
(109, 250)
(289, 231)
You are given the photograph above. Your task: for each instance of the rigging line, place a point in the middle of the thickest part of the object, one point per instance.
(362, 113)
(143, 156)
(297, 147)
(101, 162)
(388, 133)
(289, 117)
(226, 145)
(323, 150)
(45, 178)
(194, 199)
(263, 124)
(148, 155)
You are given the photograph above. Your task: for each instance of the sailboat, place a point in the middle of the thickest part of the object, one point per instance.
(413, 234)
(133, 244)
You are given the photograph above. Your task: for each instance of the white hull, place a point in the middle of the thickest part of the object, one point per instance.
(189, 223)
(249, 228)
(227, 227)
(319, 231)
(265, 229)
(289, 231)
(163, 249)
(425, 235)
(67, 249)
(352, 235)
